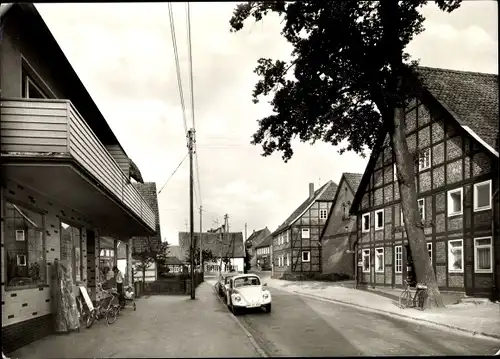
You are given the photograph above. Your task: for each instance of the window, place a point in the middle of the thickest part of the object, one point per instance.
(366, 260)
(30, 88)
(323, 213)
(379, 219)
(279, 261)
(398, 259)
(455, 197)
(306, 256)
(483, 255)
(421, 208)
(429, 250)
(24, 246)
(455, 256)
(366, 222)
(424, 159)
(286, 236)
(402, 218)
(482, 196)
(71, 249)
(379, 260)
(395, 173)
(288, 259)
(305, 233)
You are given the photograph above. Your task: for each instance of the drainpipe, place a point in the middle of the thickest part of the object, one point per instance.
(494, 289)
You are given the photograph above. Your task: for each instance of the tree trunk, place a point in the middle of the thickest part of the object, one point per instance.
(412, 221)
(143, 278)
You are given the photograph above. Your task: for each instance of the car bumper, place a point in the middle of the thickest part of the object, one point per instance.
(252, 305)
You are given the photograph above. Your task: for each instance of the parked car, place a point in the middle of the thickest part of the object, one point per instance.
(246, 291)
(221, 285)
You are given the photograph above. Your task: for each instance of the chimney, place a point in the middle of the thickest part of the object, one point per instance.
(311, 190)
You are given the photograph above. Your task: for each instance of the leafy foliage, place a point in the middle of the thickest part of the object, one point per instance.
(153, 251)
(207, 256)
(348, 60)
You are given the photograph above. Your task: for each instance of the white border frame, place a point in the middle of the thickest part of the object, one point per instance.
(448, 200)
(420, 169)
(476, 270)
(363, 254)
(395, 259)
(363, 230)
(383, 260)
(302, 230)
(377, 228)
(308, 255)
(422, 218)
(448, 254)
(476, 208)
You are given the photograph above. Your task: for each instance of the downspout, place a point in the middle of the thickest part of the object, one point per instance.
(494, 289)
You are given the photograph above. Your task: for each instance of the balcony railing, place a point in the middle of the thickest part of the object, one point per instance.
(55, 126)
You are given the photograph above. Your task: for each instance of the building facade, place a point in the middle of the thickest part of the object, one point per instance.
(451, 130)
(253, 241)
(66, 192)
(263, 254)
(339, 234)
(296, 243)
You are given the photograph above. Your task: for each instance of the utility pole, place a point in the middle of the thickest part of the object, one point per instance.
(245, 232)
(191, 210)
(226, 230)
(201, 237)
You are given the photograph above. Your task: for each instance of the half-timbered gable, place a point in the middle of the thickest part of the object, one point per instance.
(452, 131)
(296, 246)
(339, 233)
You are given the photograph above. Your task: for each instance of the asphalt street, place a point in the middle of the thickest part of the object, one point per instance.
(300, 326)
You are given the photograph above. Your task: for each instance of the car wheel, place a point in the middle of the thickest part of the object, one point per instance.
(268, 308)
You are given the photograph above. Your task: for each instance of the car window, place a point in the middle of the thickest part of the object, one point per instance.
(246, 281)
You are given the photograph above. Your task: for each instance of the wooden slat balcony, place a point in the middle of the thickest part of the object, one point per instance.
(55, 128)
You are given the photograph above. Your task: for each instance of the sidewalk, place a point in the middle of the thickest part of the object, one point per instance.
(482, 318)
(163, 326)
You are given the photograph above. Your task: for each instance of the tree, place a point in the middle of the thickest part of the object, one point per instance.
(207, 256)
(248, 258)
(352, 81)
(152, 251)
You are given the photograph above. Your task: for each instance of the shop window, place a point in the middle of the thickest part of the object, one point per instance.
(24, 245)
(71, 249)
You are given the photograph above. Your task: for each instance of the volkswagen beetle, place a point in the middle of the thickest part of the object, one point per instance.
(246, 291)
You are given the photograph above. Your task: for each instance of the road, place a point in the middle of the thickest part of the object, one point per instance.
(300, 326)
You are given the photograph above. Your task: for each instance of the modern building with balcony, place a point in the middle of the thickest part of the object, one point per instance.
(67, 189)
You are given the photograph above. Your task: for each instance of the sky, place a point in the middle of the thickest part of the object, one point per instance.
(124, 56)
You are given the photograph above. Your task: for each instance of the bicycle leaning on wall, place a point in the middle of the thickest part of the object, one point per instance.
(407, 299)
(109, 311)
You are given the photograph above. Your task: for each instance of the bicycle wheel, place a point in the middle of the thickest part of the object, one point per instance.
(420, 299)
(405, 299)
(90, 318)
(111, 315)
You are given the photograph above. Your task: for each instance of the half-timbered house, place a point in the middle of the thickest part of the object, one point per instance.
(452, 133)
(339, 234)
(296, 247)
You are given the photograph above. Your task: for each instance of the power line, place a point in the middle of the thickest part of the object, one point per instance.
(173, 172)
(177, 66)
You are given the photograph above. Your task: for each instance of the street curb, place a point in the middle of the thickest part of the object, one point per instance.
(406, 317)
(250, 337)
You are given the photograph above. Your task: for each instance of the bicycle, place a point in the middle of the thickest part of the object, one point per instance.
(406, 300)
(110, 312)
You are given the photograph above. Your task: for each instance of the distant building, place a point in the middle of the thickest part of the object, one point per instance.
(263, 254)
(253, 241)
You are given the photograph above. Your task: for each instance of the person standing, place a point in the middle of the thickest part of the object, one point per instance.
(119, 282)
